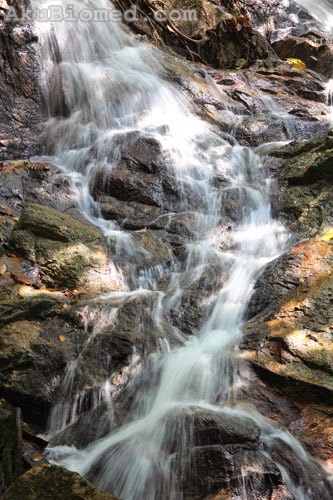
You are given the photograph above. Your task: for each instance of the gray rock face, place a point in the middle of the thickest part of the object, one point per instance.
(22, 109)
(217, 450)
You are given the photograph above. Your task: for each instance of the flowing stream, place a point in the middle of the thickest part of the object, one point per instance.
(103, 88)
(322, 10)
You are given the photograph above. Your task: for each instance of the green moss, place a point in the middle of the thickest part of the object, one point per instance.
(63, 247)
(53, 225)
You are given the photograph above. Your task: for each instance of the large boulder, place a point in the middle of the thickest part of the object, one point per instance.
(65, 252)
(217, 450)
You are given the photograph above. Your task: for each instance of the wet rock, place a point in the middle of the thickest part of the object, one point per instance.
(278, 19)
(223, 452)
(142, 248)
(130, 215)
(128, 184)
(214, 467)
(50, 481)
(142, 177)
(192, 308)
(88, 427)
(316, 55)
(314, 483)
(145, 154)
(210, 427)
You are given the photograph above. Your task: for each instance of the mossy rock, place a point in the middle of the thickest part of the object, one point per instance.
(63, 248)
(51, 224)
(14, 307)
(50, 482)
(306, 180)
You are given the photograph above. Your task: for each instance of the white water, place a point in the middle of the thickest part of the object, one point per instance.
(321, 9)
(102, 87)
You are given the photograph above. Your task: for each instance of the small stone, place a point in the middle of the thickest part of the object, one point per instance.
(36, 457)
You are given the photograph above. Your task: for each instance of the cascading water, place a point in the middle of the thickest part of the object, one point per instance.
(103, 89)
(322, 10)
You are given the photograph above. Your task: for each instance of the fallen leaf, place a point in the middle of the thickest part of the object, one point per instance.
(328, 236)
(297, 63)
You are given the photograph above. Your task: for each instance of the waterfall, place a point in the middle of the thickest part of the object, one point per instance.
(322, 10)
(104, 87)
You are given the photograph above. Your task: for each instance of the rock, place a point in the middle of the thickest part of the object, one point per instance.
(306, 185)
(128, 184)
(306, 260)
(21, 112)
(223, 452)
(67, 253)
(18, 305)
(211, 468)
(52, 225)
(130, 215)
(316, 55)
(24, 357)
(303, 337)
(50, 481)
(291, 341)
(10, 446)
(277, 19)
(144, 249)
